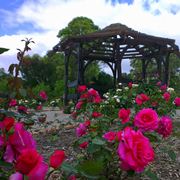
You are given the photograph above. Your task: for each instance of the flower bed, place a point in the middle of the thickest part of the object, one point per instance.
(115, 135)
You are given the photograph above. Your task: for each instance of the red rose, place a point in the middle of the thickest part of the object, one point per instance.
(57, 158)
(8, 122)
(87, 123)
(96, 114)
(124, 115)
(84, 145)
(30, 163)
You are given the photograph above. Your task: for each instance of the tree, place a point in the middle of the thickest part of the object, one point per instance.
(78, 26)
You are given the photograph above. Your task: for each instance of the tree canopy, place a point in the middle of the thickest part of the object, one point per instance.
(78, 26)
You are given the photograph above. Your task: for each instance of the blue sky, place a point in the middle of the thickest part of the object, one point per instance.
(42, 19)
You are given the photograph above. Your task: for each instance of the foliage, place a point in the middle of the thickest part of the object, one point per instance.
(78, 26)
(102, 83)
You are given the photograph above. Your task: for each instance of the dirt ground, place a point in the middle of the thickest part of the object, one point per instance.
(58, 132)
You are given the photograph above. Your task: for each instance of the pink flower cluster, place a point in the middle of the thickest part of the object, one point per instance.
(20, 150)
(90, 95)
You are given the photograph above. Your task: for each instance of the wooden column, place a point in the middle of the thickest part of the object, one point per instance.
(66, 64)
(114, 76)
(143, 69)
(119, 70)
(166, 69)
(80, 77)
(159, 67)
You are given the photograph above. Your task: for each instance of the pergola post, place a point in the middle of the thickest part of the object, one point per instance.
(143, 69)
(66, 64)
(166, 69)
(80, 77)
(159, 67)
(119, 70)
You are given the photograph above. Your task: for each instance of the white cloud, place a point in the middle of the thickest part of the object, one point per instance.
(53, 15)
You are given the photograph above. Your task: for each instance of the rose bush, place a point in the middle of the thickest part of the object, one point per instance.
(19, 157)
(124, 128)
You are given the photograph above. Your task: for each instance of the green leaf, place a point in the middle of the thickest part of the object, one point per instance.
(172, 155)
(151, 175)
(91, 169)
(2, 50)
(68, 168)
(98, 141)
(92, 148)
(5, 164)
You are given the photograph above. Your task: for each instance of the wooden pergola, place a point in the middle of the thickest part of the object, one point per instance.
(113, 44)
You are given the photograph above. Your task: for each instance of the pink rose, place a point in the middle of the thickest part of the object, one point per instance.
(57, 158)
(30, 163)
(124, 115)
(17, 142)
(84, 145)
(135, 151)
(93, 96)
(163, 87)
(82, 88)
(166, 96)
(1, 141)
(81, 130)
(158, 83)
(141, 98)
(165, 126)
(13, 102)
(16, 176)
(92, 92)
(110, 136)
(79, 105)
(146, 120)
(43, 95)
(177, 101)
(97, 99)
